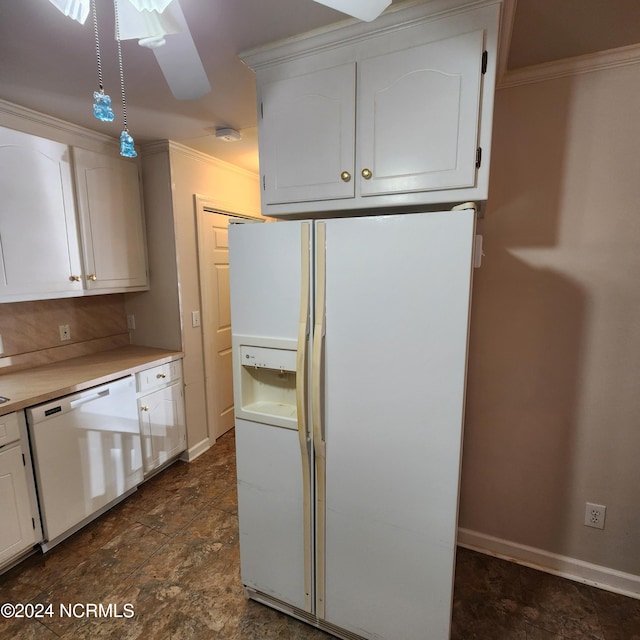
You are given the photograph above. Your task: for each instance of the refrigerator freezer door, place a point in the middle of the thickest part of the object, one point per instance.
(265, 273)
(270, 511)
(270, 308)
(397, 309)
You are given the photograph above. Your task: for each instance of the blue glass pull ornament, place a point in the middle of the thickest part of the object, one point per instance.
(102, 107)
(126, 145)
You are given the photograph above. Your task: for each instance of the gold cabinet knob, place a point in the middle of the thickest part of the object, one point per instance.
(345, 176)
(161, 375)
(74, 278)
(366, 174)
(144, 408)
(93, 277)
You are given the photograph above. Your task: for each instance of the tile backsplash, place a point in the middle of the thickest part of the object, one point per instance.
(31, 336)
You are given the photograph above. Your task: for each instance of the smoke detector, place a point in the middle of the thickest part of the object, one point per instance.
(228, 135)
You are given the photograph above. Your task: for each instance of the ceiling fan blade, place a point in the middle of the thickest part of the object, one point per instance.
(180, 62)
(139, 25)
(76, 9)
(366, 10)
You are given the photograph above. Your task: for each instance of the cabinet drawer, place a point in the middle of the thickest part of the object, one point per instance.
(158, 376)
(9, 428)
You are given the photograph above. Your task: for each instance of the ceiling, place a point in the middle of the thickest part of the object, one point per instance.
(48, 61)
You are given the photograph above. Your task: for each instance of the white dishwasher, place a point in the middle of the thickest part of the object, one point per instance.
(87, 455)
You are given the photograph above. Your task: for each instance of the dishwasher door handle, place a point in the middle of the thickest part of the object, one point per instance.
(103, 393)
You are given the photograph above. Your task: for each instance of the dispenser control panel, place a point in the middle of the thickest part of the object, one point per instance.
(267, 358)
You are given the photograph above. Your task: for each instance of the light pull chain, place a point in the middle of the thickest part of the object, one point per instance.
(101, 101)
(127, 148)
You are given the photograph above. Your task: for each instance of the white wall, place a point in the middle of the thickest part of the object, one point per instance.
(172, 176)
(553, 408)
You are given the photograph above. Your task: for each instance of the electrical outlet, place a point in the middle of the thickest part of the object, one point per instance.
(594, 515)
(65, 332)
(131, 322)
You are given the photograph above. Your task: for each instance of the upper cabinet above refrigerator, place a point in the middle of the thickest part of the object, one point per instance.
(393, 113)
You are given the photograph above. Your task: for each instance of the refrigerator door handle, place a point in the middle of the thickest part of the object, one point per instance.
(319, 441)
(301, 405)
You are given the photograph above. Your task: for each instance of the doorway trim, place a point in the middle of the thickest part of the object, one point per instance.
(204, 205)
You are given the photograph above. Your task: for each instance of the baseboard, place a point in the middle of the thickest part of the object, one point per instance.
(592, 574)
(197, 450)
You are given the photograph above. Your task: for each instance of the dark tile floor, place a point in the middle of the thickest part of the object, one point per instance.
(171, 551)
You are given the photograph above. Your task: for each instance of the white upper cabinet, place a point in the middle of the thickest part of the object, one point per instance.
(418, 117)
(382, 115)
(111, 221)
(38, 237)
(307, 133)
(71, 221)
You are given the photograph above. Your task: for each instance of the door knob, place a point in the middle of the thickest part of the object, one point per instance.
(74, 278)
(92, 276)
(345, 176)
(366, 174)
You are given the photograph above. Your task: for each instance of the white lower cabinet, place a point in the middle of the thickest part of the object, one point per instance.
(162, 415)
(19, 523)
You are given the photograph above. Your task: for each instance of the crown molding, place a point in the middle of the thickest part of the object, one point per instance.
(351, 31)
(16, 116)
(507, 19)
(166, 146)
(587, 63)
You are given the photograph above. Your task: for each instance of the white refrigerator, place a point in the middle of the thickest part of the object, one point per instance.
(349, 353)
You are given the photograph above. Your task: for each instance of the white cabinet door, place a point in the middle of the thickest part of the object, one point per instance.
(162, 425)
(307, 135)
(39, 251)
(16, 526)
(418, 113)
(421, 104)
(111, 221)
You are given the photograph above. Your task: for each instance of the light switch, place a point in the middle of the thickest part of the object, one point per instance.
(195, 319)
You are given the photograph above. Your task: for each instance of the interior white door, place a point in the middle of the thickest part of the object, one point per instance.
(397, 312)
(213, 245)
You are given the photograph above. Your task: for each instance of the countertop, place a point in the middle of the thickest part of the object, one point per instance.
(33, 386)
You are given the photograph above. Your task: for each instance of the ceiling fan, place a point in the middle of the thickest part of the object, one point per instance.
(149, 21)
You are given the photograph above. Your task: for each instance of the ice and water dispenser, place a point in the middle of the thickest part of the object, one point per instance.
(265, 381)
